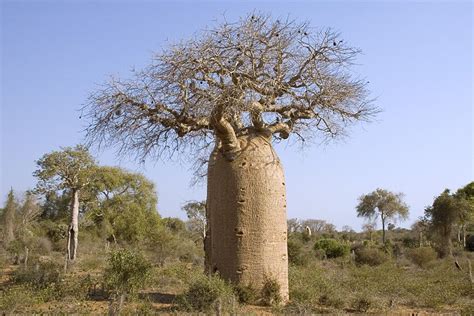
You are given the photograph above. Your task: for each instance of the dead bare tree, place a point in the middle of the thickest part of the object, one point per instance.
(236, 87)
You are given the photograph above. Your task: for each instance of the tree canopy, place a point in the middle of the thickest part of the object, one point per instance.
(384, 204)
(70, 168)
(124, 204)
(447, 210)
(259, 74)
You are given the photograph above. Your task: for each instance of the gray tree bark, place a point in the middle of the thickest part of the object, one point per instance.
(73, 231)
(246, 240)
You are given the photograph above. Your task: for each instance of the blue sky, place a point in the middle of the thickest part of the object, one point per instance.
(417, 56)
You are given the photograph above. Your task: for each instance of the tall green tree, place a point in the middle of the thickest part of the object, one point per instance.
(466, 218)
(447, 210)
(384, 204)
(125, 204)
(70, 169)
(8, 218)
(28, 214)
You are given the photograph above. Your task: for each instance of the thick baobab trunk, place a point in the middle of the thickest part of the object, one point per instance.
(72, 240)
(246, 240)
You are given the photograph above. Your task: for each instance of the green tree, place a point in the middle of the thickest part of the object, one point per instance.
(234, 89)
(466, 217)
(384, 204)
(70, 169)
(8, 218)
(28, 215)
(446, 211)
(124, 204)
(197, 220)
(126, 273)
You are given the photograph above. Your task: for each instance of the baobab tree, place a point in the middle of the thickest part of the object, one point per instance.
(229, 92)
(70, 169)
(384, 204)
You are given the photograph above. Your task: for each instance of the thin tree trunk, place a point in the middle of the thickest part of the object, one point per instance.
(464, 235)
(121, 301)
(383, 229)
(420, 239)
(26, 256)
(73, 231)
(471, 278)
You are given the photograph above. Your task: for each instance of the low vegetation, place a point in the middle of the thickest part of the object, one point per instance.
(130, 260)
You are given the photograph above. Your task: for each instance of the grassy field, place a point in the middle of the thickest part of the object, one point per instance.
(410, 281)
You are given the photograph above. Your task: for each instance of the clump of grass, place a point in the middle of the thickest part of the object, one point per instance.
(421, 256)
(13, 299)
(370, 256)
(246, 294)
(270, 292)
(208, 294)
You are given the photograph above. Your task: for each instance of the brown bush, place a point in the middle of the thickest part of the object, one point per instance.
(370, 256)
(421, 256)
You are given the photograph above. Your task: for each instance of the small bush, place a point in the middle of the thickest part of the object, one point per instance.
(270, 292)
(296, 253)
(421, 256)
(362, 304)
(247, 294)
(16, 297)
(331, 300)
(127, 272)
(41, 276)
(332, 248)
(207, 294)
(410, 242)
(43, 246)
(370, 256)
(79, 287)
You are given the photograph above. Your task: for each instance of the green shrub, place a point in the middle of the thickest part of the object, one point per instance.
(79, 287)
(270, 292)
(362, 304)
(247, 294)
(16, 297)
(332, 248)
(296, 253)
(43, 275)
(126, 272)
(410, 242)
(421, 256)
(207, 294)
(370, 256)
(331, 300)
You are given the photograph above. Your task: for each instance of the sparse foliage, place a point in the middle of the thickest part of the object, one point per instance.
(8, 218)
(126, 273)
(70, 169)
(197, 220)
(274, 76)
(384, 204)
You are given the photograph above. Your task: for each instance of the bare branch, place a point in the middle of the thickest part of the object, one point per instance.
(287, 77)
